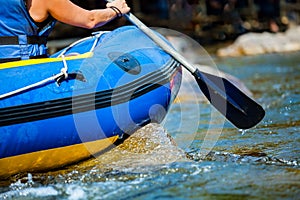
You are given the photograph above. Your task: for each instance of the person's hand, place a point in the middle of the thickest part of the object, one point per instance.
(120, 4)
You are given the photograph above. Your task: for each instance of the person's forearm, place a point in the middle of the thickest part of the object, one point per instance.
(100, 17)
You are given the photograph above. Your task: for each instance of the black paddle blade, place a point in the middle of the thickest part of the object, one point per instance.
(237, 107)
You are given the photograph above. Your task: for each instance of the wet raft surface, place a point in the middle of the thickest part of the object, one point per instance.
(204, 157)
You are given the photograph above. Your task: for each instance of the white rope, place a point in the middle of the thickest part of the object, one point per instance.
(72, 45)
(97, 35)
(63, 71)
(53, 78)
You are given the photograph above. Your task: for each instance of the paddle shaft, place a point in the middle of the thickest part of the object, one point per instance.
(166, 47)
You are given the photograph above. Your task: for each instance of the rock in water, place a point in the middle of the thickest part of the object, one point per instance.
(262, 43)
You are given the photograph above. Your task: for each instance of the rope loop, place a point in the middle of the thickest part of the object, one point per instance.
(64, 70)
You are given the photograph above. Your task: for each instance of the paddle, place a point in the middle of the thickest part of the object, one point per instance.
(237, 107)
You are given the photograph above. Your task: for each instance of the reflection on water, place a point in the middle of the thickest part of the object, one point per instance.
(260, 163)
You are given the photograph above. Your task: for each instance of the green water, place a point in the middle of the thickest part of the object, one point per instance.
(260, 163)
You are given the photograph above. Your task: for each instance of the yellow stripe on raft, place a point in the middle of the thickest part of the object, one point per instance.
(52, 158)
(30, 62)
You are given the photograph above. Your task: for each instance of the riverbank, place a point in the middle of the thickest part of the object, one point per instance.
(251, 43)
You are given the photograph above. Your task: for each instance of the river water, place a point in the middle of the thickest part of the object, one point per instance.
(195, 154)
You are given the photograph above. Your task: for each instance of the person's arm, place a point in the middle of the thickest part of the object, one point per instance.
(69, 13)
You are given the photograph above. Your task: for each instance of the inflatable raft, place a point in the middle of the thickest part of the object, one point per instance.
(60, 110)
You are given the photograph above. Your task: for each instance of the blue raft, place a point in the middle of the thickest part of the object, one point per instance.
(60, 110)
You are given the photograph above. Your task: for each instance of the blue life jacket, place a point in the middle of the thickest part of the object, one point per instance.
(20, 37)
